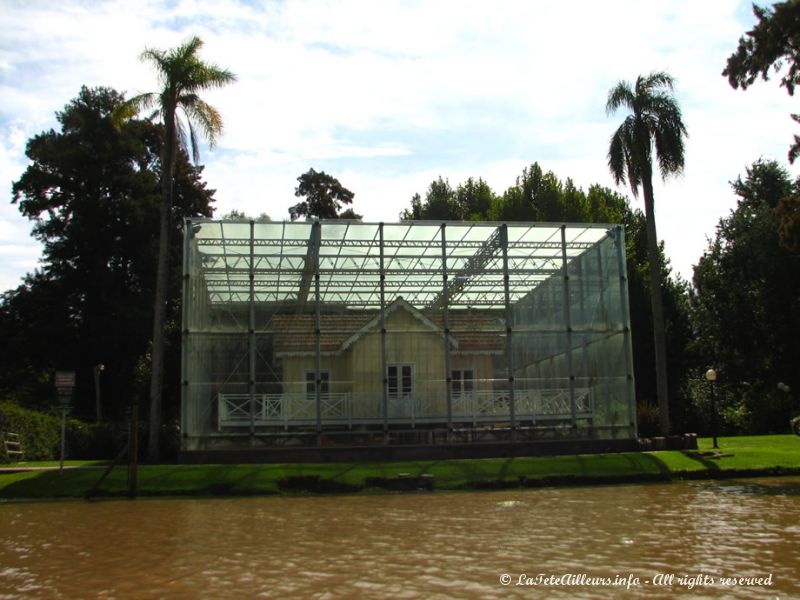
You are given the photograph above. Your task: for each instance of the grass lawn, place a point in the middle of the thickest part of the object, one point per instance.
(737, 456)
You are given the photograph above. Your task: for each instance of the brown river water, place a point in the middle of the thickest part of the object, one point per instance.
(628, 541)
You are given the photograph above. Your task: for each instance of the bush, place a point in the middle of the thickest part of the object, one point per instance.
(647, 419)
(40, 435)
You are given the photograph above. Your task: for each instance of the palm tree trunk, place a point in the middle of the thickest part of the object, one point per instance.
(656, 303)
(162, 285)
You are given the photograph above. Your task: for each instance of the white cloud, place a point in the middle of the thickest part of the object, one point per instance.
(389, 95)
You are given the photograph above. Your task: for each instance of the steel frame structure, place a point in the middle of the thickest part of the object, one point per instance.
(560, 291)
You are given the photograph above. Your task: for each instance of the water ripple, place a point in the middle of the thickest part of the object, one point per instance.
(454, 545)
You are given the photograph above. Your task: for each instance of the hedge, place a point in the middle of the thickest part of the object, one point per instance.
(40, 435)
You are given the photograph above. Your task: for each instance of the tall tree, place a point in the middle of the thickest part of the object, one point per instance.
(92, 193)
(324, 197)
(540, 196)
(746, 304)
(183, 76)
(440, 204)
(655, 124)
(772, 44)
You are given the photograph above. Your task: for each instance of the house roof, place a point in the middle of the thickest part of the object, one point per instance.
(401, 304)
(470, 332)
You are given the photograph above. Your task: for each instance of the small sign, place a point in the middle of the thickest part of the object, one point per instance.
(65, 379)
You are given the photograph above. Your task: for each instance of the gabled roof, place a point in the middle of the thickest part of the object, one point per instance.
(398, 304)
(471, 332)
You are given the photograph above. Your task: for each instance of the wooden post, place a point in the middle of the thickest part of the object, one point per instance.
(64, 412)
(133, 449)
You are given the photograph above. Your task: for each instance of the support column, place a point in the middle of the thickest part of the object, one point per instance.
(316, 236)
(601, 282)
(188, 233)
(568, 326)
(251, 337)
(622, 265)
(384, 387)
(512, 405)
(446, 323)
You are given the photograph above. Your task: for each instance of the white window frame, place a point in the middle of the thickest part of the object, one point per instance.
(400, 390)
(325, 381)
(461, 379)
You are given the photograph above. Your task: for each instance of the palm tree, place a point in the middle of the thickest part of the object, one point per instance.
(655, 123)
(182, 75)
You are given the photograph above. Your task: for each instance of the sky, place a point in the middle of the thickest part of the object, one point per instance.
(387, 96)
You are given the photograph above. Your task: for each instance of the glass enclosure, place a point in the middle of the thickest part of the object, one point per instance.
(331, 332)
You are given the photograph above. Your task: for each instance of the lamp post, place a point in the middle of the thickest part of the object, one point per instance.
(98, 368)
(711, 377)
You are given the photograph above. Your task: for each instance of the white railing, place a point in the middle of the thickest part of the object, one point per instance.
(342, 408)
(543, 404)
(280, 409)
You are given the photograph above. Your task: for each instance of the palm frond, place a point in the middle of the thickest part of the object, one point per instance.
(656, 124)
(656, 80)
(616, 156)
(205, 76)
(624, 157)
(132, 107)
(193, 142)
(620, 95)
(204, 115)
(180, 135)
(160, 60)
(182, 75)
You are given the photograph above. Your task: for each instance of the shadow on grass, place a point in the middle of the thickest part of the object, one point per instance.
(348, 478)
(704, 458)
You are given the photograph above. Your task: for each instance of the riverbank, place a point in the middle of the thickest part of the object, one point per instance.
(737, 457)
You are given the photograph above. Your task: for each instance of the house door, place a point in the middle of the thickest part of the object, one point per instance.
(462, 382)
(400, 389)
(324, 384)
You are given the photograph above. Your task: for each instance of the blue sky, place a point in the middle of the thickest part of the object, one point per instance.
(389, 95)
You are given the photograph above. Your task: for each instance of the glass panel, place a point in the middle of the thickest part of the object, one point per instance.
(561, 336)
(392, 377)
(407, 380)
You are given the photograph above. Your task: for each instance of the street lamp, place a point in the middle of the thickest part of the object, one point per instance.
(711, 377)
(97, 369)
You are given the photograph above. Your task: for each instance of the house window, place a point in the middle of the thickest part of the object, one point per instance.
(400, 380)
(462, 381)
(324, 385)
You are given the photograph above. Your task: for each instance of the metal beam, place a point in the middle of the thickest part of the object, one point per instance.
(311, 266)
(568, 325)
(512, 405)
(475, 265)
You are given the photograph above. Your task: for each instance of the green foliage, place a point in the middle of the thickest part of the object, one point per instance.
(238, 215)
(654, 123)
(773, 44)
(653, 131)
(92, 192)
(787, 216)
(746, 303)
(40, 435)
(324, 198)
(540, 196)
(647, 419)
(182, 76)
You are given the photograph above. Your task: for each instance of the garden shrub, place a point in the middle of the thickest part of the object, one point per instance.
(40, 435)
